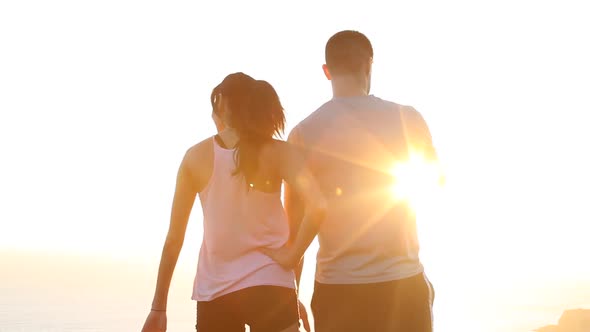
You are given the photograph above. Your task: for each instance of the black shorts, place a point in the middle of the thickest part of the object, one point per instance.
(263, 308)
(395, 306)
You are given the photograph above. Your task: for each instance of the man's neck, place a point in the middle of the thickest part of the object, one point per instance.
(348, 86)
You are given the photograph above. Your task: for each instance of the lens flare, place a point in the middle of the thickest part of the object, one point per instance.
(416, 181)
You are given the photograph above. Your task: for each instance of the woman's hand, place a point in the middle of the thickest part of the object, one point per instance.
(155, 322)
(303, 316)
(284, 256)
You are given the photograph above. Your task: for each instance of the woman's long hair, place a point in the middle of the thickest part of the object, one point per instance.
(257, 116)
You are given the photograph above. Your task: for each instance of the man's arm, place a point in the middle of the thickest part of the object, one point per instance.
(418, 134)
(419, 139)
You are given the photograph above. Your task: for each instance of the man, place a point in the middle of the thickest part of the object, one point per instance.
(368, 273)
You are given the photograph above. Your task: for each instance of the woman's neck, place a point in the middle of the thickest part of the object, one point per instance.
(229, 136)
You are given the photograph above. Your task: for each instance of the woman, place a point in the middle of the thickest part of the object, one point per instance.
(238, 175)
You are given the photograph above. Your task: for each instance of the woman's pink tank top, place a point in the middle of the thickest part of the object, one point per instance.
(237, 222)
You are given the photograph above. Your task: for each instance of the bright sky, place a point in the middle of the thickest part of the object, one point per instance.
(100, 100)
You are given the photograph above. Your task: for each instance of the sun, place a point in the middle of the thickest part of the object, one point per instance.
(416, 181)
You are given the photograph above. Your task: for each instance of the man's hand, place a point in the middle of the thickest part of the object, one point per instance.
(303, 317)
(284, 256)
(155, 322)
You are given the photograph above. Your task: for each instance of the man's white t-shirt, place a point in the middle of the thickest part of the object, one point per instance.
(351, 144)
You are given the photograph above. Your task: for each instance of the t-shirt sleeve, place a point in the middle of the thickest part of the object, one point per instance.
(295, 137)
(418, 134)
(297, 140)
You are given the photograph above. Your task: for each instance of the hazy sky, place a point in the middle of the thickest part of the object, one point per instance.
(99, 100)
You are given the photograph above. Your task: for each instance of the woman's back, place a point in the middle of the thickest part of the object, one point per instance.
(240, 218)
(238, 176)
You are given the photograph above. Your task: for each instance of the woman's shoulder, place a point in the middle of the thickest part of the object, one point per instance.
(272, 151)
(200, 147)
(278, 147)
(198, 161)
(199, 151)
(280, 152)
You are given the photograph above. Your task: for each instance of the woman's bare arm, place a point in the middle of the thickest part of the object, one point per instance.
(303, 194)
(184, 198)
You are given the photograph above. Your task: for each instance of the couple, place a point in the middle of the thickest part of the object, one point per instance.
(336, 166)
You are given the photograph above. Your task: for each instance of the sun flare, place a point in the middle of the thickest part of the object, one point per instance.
(416, 181)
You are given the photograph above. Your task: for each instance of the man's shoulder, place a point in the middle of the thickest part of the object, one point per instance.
(318, 118)
(300, 128)
(391, 105)
(324, 108)
(407, 112)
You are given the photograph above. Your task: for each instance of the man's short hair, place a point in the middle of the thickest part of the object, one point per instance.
(347, 52)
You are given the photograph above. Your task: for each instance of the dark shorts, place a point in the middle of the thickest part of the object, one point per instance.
(263, 308)
(395, 306)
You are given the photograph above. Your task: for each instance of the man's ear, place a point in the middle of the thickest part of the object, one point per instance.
(327, 72)
(369, 66)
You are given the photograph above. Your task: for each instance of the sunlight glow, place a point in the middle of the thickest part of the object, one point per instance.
(416, 181)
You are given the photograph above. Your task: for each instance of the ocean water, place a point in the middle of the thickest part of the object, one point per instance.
(67, 294)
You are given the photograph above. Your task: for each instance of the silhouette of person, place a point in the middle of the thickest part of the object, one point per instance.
(238, 175)
(368, 274)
